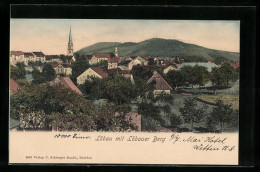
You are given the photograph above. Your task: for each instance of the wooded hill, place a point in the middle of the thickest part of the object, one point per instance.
(157, 47)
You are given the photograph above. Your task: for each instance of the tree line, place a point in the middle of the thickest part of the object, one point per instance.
(220, 77)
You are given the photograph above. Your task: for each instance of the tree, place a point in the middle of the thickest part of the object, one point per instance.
(195, 59)
(219, 60)
(78, 68)
(18, 71)
(174, 78)
(217, 78)
(63, 58)
(37, 76)
(103, 64)
(144, 90)
(222, 113)
(35, 63)
(41, 106)
(148, 109)
(175, 120)
(201, 75)
(190, 113)
(229, 73)
(106, 119)
(119, 90)
(187, 75)
(48, 73)
(141, 72)
(222, 76)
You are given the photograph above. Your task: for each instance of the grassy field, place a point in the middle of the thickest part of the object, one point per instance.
(227, 99)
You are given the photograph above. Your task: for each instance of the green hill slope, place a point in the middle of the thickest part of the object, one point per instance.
(157, 47)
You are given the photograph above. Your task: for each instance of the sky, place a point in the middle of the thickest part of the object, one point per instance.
(51, 35)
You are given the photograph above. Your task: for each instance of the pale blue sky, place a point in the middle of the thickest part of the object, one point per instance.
(51, 35)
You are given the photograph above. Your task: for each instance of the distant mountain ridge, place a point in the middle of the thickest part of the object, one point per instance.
(157, 47)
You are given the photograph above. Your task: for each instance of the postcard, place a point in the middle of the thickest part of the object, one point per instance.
(124, 91)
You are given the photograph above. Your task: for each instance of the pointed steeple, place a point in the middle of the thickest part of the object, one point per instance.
(70, 45)
(70, 37)
(116, 52)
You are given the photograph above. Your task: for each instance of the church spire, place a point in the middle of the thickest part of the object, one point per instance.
(70, 37)
(70, 45)
(116, 52)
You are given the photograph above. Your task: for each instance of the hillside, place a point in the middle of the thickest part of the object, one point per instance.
(158, 47)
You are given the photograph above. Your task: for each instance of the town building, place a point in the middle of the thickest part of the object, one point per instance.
(98, 57)
(13, 86)
(91, 72)
(168, 68)
(236, 64)
(62, 68)
(16, 55)
(143, 59)
(13, 62)
(134, 62)
(160, 84)
(28, 57)
(39, 56)
(53, 58)
(67, 83)
(123, 70)
(112, 63)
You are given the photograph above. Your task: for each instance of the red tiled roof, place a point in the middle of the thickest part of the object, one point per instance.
(161, 84)
(39, 54)
(54, 65)
(111, 71)
(99, 71)
(50, 57)
(127, 76)
(17, 53)
(65, 65)
(236, 65)
(104, 55)
(13, 85)
(14, 62)
(133, 57)
(112, 60)
(66, 82)
(28, 54)
(145, 57)
(120, 59)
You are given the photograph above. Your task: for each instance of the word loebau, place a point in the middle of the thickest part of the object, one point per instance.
(132, 139)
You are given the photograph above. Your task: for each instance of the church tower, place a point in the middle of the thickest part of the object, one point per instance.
(116, 52)
(70, 45)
